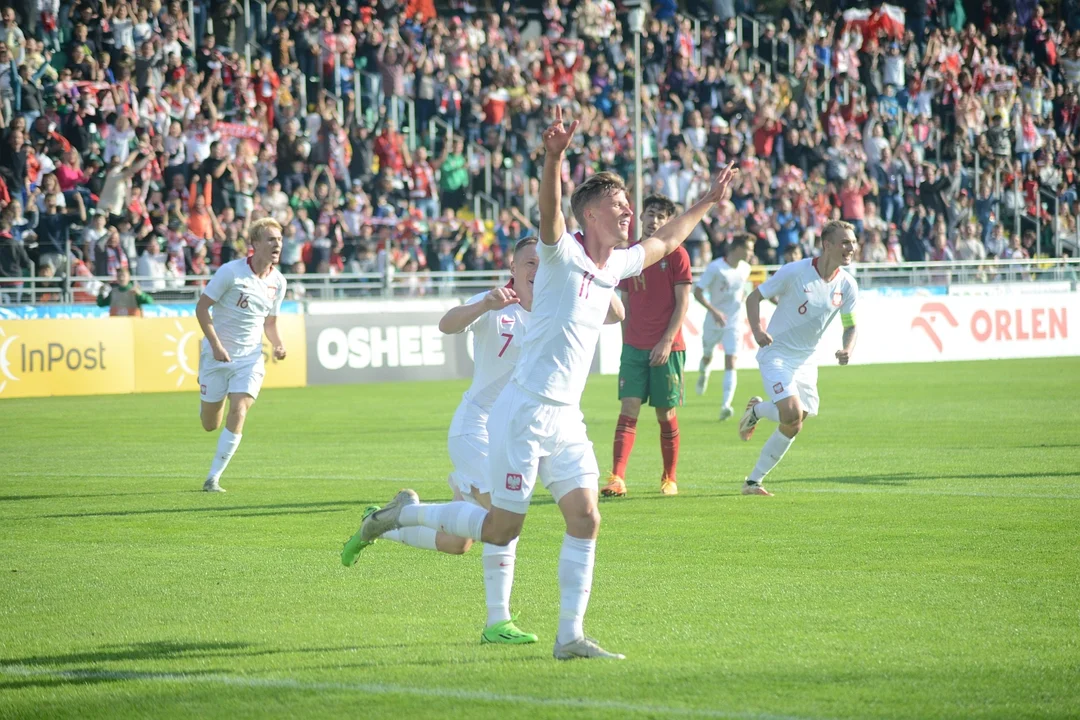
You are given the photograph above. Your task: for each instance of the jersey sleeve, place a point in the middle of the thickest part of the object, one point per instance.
(847, 310)
(779, 282)
(560, 253)
(680, 267)
(219, 283)
(633, 261)
(276, 309)
(479, 297)
(705, 281)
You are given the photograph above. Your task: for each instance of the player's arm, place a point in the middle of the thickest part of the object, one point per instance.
(457, 320)
(271, 329)
(662, 350)
(672, 234)
(556, 139)
(206, 322)
(616, 310)
(847, 317)
(699, 295)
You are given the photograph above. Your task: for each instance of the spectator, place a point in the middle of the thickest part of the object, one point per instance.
(123, 296)
(152, 265)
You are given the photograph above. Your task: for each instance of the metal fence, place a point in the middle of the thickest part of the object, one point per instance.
(1064, 273)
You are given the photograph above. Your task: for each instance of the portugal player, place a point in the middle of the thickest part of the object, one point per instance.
(536, 425)
(246, 298)
(653, 351)
(721, 289)
(808, 294)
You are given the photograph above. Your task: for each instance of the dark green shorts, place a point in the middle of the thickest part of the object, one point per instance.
(662, 386)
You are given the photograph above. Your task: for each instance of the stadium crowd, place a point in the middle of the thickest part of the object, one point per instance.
(153, 134)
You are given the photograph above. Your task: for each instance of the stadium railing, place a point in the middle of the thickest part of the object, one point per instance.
(998, 276)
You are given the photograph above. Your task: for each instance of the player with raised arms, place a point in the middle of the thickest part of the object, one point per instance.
(809, 294)
(722, 289)
(536, 425)
(245, 296)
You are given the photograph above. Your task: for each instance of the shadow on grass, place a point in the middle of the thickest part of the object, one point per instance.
(48, 679)
(900, 479)
(61, 496)
(285, 509)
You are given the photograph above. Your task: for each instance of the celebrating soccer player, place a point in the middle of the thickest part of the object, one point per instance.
(653, 351)
(809, 294)
(721, 289)
(246, 298)
(536, 425)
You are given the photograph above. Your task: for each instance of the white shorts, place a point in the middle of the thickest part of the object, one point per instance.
(728, 336)
(530, 437)
(469, 453)
(782, 380)
(218, 379)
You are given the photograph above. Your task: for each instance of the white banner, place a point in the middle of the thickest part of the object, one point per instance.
(914, 329)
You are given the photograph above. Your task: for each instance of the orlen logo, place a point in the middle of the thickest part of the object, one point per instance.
(928, 315)
(1020, 324)
(400, 346)
(52, 357)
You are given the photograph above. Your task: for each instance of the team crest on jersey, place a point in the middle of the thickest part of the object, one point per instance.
(837, 299)
(513, 481)
(778, 388)
(271, 291)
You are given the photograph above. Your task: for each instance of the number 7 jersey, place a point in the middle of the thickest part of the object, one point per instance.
(497, 339)
(805, 305)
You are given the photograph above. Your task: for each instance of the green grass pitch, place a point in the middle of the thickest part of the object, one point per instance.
(921, 559)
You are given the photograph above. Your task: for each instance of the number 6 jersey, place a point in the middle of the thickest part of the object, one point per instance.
(497, 340)
(242, 302)
(805, 305)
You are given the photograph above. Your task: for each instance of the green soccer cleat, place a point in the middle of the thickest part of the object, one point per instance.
(354, 545)
(506, 633)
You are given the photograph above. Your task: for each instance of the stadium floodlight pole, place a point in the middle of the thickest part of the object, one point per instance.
(637, 27)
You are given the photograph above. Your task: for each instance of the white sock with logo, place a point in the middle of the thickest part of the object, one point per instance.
(767, 411)
(575, 584)
(226, 447)
(774, 449)
(460, 518)
(730, 381)
(417, 537)
(498, 579)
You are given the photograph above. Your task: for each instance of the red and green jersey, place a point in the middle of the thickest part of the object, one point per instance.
(652, 301)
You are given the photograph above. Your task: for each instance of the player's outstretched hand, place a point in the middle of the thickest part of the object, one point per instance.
(221, 355)
(843, 356)
(557, 137)
(279, 352)
(763, 338)
(721, 187)
(501, 297)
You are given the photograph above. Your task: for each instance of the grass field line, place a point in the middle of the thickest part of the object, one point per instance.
(385, 689)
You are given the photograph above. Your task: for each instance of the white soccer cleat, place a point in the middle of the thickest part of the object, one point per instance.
(702, 383)
(749, 419)
(211, 485)
(386, 519)
(726, 413)
(584, 647)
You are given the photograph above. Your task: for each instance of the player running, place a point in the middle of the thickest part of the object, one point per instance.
(536, 425)
(721, 289)
(809, 294)
(653, 352)
(246, 297)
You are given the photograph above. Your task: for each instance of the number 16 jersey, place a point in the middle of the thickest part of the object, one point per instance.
(242, 302)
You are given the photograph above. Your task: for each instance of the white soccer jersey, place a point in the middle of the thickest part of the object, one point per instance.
(497, 340)
(571, 297)
(805, 305)
(726, 288)
(242, 302)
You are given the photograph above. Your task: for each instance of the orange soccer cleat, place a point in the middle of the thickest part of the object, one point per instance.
(615, 487)
(749, 419)
(668, 486)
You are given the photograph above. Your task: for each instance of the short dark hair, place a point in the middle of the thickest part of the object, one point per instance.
(742, 238)
(664, 205)
(525, 242)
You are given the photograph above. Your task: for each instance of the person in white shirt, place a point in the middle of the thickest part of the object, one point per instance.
(246, 297)
(721, 289)
(536, 426)
(151, 267)
(499, 320)
(808, 294)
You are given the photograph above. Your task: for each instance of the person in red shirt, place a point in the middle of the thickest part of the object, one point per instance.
(390, 149)
(653, 351)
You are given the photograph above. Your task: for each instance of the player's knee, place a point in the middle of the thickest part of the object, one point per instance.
(502, 535)
(631, 407)
(791, 428)
(665, 414)
(584, 523)
(210, 424)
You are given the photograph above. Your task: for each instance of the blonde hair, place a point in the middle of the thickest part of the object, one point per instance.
(595, 187)
(835, 227)
(258, 229)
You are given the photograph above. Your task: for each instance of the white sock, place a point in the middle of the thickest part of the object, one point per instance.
(455, 518)
(730, 381)
(767, 411)
(498, 578)
(226, 446)
(417, 537)
(575, 583)
(774, 449)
